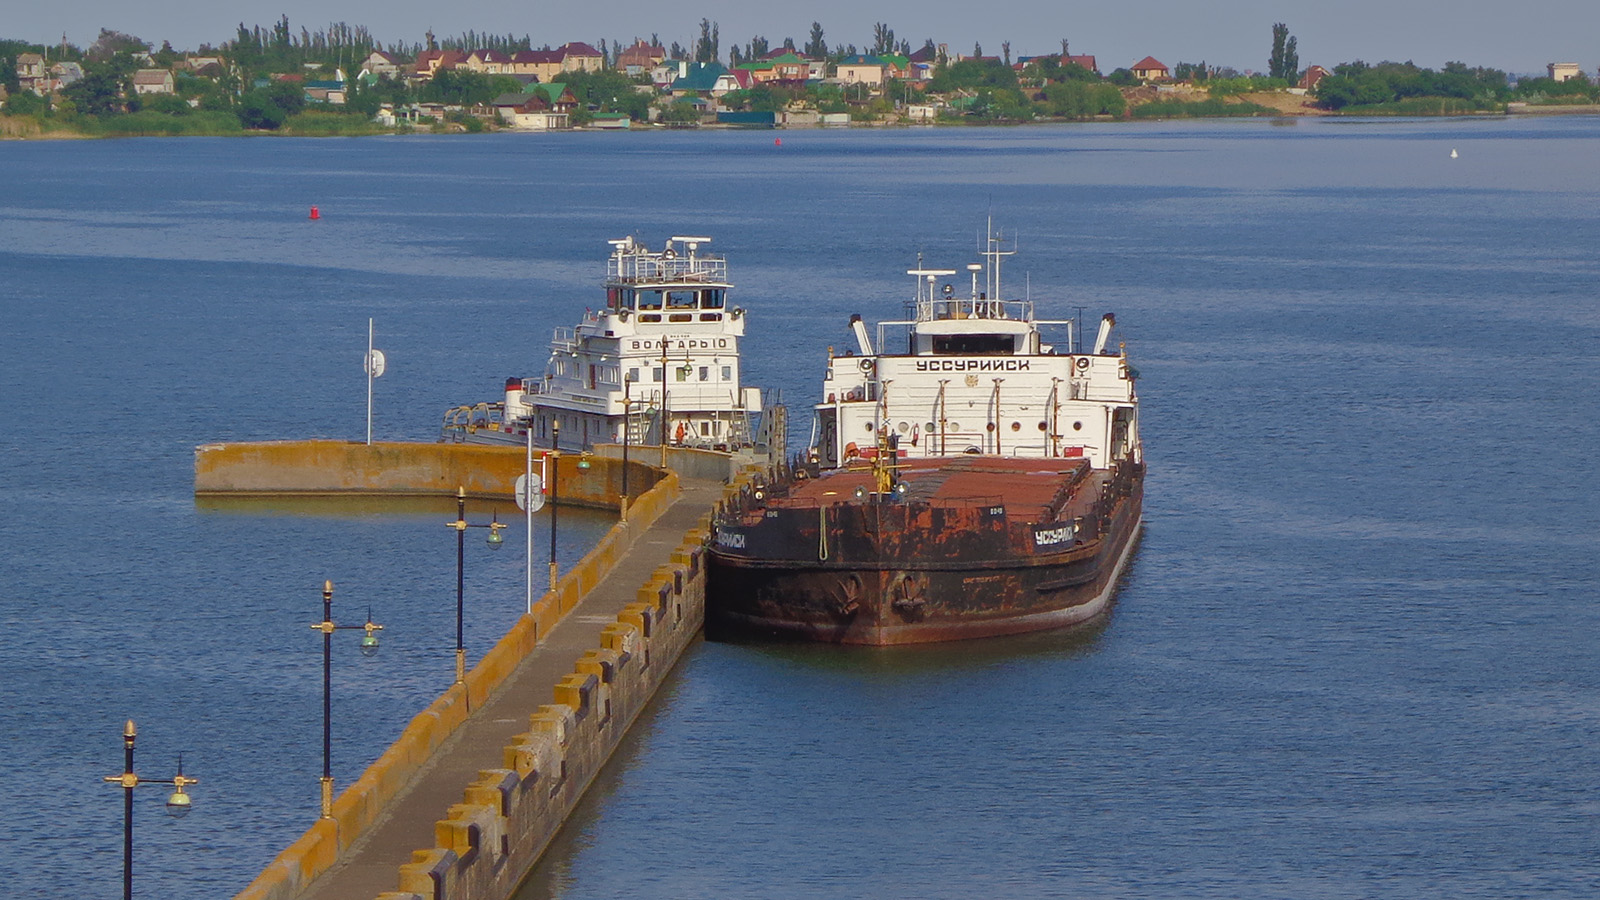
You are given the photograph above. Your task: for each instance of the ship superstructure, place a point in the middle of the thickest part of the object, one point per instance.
(660, 359)
(978, 376)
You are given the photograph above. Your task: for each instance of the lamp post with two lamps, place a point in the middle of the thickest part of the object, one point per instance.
(369, 647)
(494, 540)
(177, 805)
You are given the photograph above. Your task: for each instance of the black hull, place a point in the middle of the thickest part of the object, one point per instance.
(921, 584)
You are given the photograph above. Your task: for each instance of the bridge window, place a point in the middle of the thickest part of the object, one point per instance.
(649, 299)
(974, 344)
(713, 298)
(681, 300)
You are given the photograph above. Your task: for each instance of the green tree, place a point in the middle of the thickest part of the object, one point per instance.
(25, 103)
(816, 47)
(1285, 60)
(706, 49)
(883, 41)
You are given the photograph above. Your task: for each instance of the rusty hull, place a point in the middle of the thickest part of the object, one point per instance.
(970, 547)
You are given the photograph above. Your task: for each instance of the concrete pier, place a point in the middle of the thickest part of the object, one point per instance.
(469, 796)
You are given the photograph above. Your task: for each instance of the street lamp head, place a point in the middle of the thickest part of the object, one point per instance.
(369, 636)
(179, 804)
(495, 538)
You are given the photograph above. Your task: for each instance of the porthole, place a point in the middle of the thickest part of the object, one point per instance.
(871, 428)
(903, 427)
(929, 428)
(1077, 426)
(1043, 426)
(1016, 426)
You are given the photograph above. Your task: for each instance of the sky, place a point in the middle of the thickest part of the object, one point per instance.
(1235, 33)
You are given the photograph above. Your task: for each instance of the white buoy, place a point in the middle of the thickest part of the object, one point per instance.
(1452, 153)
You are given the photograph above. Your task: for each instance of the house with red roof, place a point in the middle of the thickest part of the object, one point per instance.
(1150, 69)
(432, 62)
(640, 58)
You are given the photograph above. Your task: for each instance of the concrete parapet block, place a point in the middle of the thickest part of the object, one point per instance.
(577, 691)
(470, 828)
(533, 754)
(554, 719)
(602, 663)
(493, 787)
(622, 638)
(428, 875)
(641, 615)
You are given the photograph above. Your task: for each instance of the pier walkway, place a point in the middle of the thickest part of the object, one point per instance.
(371, 866)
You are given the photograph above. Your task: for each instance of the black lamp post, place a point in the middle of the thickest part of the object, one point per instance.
(369, 647)
(494, 540)
(177, 805)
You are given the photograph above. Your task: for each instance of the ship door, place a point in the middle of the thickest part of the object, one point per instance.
(1121, 427)
(828, 439)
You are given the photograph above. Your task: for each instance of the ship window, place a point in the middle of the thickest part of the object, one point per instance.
(1077, 426)
(633, 374)
(930, 429)
(727, 373)
(712, 299)
(1016, 426)
(650, 317)
(613, 297)
(649, 299)
(681, 300)
(705, 429)
(974, 344)
(705, 373)
(683, 373)
(711, 317)
(680, 317)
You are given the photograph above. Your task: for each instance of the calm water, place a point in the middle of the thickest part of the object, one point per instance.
(1355, 655)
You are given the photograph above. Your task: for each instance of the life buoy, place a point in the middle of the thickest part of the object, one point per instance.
(866, 366)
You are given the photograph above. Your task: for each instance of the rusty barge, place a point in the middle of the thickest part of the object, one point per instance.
(986, 479)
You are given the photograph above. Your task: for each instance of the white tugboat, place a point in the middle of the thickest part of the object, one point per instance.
(659, 363)
(968, 477)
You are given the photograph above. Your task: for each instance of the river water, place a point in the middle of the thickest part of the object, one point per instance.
(1354, 656)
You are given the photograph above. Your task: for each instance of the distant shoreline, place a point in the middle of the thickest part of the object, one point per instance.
(19, 129)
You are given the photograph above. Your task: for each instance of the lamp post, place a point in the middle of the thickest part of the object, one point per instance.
(494, 541)
(555, 493)
(177, 805)
(369, 647)
(627, 426)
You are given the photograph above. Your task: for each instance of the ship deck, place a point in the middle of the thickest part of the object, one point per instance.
(1027, 488)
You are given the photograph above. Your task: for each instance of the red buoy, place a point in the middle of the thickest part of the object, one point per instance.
(314, 214)
(777, 142)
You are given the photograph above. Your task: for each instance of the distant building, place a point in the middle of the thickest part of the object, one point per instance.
(867, 70)
(31, 75)
(1564, 71)
(1312, 77)
(1150, 69)
(640, 58)
(153, 81)
(380, 63)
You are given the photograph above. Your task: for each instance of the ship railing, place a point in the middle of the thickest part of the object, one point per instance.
(973, 308)
(634, 268)
(564, 338)
(460, 421)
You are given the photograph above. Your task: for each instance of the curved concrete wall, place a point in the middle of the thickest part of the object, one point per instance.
(396, 468)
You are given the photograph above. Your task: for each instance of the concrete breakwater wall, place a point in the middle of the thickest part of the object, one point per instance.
(488, 843)
(398, 468)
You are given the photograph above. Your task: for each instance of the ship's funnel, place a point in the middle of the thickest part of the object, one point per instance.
(860, 328)
(1104, 337)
